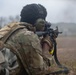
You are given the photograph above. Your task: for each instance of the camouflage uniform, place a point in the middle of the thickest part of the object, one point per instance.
(26, 45)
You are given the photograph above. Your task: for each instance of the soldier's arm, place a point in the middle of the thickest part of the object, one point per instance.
(47, 45)
(29, 43)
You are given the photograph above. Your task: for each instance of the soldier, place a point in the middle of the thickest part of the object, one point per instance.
(26, 45)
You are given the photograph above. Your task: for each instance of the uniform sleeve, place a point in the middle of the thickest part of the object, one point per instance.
(48, 41)
(29, 43)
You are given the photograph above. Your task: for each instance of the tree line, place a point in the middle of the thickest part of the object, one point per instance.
(5, 20)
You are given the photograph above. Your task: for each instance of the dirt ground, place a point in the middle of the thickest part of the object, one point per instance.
(67, 52)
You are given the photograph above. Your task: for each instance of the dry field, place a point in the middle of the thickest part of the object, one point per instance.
(67, 52)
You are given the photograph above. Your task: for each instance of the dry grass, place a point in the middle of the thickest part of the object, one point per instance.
(67, 52)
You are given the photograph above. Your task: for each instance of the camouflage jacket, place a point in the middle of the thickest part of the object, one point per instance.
(26, 45)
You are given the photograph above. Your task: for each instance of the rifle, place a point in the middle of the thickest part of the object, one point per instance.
(53, 35)
(48, 30)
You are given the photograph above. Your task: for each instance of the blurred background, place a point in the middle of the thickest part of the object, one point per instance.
(61, 13)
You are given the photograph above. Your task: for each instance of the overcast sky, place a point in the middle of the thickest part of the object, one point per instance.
(58, 10)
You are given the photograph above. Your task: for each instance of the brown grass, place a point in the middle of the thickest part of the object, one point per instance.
(67, 51)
